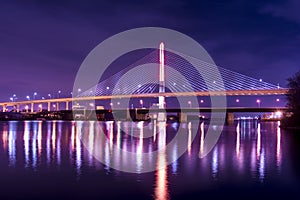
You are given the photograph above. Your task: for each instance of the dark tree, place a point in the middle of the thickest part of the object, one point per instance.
(293, 98)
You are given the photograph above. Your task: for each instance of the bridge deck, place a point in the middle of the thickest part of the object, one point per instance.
(154, 95)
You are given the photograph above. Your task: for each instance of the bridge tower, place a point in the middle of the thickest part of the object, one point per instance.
(161, 99)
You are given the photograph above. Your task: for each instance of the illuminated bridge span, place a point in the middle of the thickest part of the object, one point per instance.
(180, 79)
(230, 83)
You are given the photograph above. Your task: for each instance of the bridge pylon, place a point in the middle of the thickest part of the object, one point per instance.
(161, 99)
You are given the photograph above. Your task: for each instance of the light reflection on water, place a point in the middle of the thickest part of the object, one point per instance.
(12, 143)
(161, 188)
(278, 147)
(247, 148)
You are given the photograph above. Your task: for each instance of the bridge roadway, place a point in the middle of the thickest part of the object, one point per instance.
(151, 95)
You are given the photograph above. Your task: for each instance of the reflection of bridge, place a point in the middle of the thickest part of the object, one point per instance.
(195, 83)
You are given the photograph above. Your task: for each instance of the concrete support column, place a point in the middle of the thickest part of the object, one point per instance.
(128, 117)
(4, 108)
(49, 108)
(26, 108)
(161, 99)
(67, 105)
(161, 116)
(57, 106)
(18, 108)
(40, 108)
(32, 107)
(230, 118)
(182, 117)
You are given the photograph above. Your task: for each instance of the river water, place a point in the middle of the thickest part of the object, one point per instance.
(74, 160)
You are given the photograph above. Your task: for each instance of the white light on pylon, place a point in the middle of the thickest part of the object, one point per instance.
(162, 62)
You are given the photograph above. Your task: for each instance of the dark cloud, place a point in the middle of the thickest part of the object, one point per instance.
(288, 9)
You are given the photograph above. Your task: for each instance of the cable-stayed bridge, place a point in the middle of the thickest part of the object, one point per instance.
(231, 83)
(162, 74)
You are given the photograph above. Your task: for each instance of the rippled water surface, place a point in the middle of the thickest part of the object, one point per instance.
(60, 160)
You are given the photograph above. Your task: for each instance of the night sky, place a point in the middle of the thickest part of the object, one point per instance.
(42, 43)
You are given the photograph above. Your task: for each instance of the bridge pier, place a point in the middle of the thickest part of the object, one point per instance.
(57, 106)
(229, 117)
(49, 108)
(128, 117)
(32, 107)
(67, 105)
(182, 117)
(4, 108)
(40, 108)
(161, 117)
(17, 107)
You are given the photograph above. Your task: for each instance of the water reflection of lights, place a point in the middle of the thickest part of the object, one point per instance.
(33, 145)
(237, 149)
(108, 146)
(161, 189)
(139, 152)
(175, 160)
(4, 137)
(278, 145)
(39, 137)
(110, 127)
(262, 166)
(73, 130)
(253, 160)
(175, 125)
(78, 147)
(119, 134)
(53, 138)
(48, 144)
(58, 146)
(201, 139)
(189, 138)
(12, 143)
(255, 153)
(117, 157)
(91, 140)
(124, 147)
(26, 139)
(102, 144)
(215, 162)
(258, 144)
(154, 130)
(140, 124)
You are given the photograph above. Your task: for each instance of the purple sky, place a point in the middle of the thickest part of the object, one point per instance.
(42, 43)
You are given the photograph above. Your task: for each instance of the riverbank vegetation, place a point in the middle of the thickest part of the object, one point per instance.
(292, 119)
